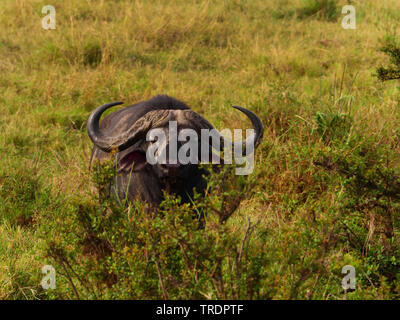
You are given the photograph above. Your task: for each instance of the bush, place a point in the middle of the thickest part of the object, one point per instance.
(369, 213)
(332, 126)
(393, 72)
(110, 251)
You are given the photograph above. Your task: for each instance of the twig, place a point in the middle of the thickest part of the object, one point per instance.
(164, 291)
(69, 279)
(246, 234)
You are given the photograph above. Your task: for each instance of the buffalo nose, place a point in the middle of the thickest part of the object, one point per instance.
(170, 165)
(171, 169)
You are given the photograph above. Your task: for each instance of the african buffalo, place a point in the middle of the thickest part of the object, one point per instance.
(125, 130)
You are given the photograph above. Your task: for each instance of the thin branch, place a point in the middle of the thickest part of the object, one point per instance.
(160, 277)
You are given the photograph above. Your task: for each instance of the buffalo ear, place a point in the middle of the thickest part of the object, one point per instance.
(134, 159)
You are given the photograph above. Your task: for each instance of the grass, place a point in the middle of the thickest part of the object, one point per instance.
(326, 173)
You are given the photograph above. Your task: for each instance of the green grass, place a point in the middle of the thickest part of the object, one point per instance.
(326, 179)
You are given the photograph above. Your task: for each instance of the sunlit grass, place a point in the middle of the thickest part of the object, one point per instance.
(298, 70)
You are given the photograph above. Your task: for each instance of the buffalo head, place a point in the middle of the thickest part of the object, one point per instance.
(129, 133)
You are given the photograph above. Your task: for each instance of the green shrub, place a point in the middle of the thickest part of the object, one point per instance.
(393, 72)
(370, 207)
(332, 126)
(134, 252)
(92, 53)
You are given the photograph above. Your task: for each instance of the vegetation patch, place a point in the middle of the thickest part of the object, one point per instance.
(324, 192)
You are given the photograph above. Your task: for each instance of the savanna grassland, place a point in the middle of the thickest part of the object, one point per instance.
(325, 191)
